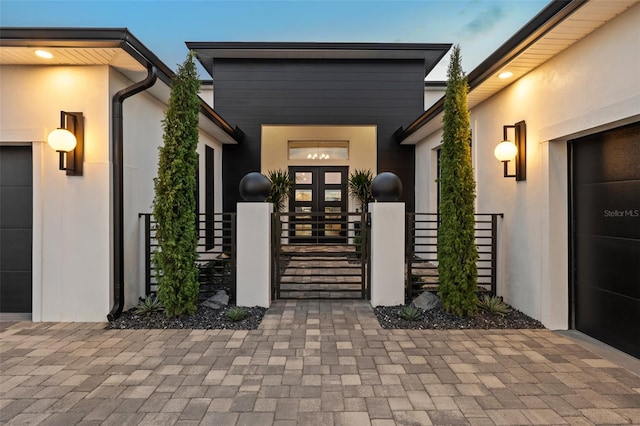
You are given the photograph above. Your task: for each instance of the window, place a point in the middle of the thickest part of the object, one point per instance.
(209, 197)
(318, 150)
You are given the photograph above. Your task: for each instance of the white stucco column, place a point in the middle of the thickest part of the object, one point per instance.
(253, 276)
(387, 253)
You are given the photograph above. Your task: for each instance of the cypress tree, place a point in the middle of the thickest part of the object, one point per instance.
(174, 203)
(457, 252)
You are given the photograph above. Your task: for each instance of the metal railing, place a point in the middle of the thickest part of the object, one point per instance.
(216, 253)
(320, 255)
(422, 252)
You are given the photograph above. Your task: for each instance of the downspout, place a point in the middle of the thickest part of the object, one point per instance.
(118, 191)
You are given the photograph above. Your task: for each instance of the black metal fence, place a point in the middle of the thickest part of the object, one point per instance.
(422, 252)
(320, 255)
(216, 253)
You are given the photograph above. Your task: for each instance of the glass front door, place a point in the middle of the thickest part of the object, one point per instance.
(319, 198)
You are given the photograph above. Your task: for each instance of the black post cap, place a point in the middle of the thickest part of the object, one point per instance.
(386, 187)
(254, 187)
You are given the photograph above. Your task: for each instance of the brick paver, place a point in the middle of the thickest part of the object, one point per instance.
(311, 362)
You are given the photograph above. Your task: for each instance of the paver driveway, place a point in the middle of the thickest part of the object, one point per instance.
(311, 362)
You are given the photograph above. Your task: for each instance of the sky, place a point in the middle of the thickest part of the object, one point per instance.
(163, 26)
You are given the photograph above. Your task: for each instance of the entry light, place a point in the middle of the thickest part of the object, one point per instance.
(505, 74)
(507, 150)
(68, 141)
(43, 54)
(315, 156)
(62, 140)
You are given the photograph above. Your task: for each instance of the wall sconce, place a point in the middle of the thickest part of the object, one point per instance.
(508, 150)
(68, 141)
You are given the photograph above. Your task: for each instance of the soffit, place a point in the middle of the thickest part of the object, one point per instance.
(583, 21)
(87, 47)
(577, 26)
(112, 56)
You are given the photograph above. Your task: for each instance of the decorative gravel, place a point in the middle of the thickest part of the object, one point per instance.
(204, 318)
(438, 319)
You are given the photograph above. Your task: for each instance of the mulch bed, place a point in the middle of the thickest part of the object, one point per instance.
(204, 318)
(438, 319)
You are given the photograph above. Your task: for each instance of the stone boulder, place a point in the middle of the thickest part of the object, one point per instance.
(218, 300)
(426, 301)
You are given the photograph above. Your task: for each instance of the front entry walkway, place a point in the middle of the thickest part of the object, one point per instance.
(321, 272)
(310, 363)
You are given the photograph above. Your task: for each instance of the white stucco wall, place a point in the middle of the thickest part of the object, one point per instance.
(71, 214)
(592, 86)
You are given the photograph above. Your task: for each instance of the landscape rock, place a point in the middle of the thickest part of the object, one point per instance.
(426, 301)
(217, 301)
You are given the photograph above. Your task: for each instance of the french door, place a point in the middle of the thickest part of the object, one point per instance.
(319, 198)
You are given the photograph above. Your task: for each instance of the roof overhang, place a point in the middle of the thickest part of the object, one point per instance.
(115, 47)
(558, 26)
(430, 53)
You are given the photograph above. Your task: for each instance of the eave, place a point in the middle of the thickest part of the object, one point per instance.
(430, 53)
(115, 47)
(558, 26)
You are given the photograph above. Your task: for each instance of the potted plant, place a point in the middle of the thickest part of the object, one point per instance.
(360, 187)
(281, 188)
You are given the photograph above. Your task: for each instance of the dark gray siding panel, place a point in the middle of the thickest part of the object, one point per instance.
(385, 93)
(16, 227)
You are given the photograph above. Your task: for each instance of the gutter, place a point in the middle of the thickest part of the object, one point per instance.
(556, 12)
(136, 49)
(155, 69)
(118, 186)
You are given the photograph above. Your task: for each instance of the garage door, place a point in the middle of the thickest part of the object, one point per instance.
(606, 236)
(15, 228)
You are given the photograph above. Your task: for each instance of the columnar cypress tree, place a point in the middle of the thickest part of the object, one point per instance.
(174, 203)
(457, 252)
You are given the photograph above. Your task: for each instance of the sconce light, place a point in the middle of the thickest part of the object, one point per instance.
(68, 141)
(508, 150)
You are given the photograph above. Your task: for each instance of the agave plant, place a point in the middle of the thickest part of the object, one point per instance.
(148, 305)
(493, 305)
(281, 188)
(236, 313)
(410, 313)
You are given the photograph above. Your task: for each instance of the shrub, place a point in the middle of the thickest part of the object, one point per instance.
(493, 305)
(410, 313)
(457, 252)
(148, 305)
(235, 313)
(360, 187)
(281, 188)
(174, 204)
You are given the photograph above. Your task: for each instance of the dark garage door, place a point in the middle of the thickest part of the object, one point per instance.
(15, 228)
(606, 236)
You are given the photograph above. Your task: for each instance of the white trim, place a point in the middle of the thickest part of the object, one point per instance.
(10, 136)
(608, 117)
(34, 138)
(36, 229)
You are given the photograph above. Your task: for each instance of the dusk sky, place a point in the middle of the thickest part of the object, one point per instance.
(479, 26)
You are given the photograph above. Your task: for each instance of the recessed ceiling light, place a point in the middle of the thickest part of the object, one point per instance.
(43, 54)
(505, 74)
